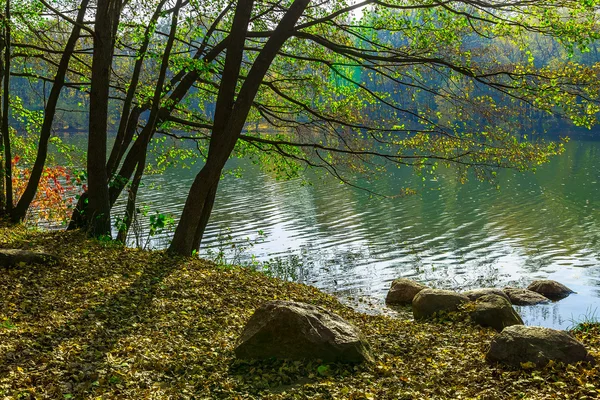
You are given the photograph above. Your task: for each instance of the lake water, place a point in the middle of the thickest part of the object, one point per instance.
(448, 235)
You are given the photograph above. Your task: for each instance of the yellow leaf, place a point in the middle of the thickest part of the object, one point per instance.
(527, 365)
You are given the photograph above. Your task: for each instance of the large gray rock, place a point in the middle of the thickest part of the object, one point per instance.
(477, 293)
(430, 301)
(494, 311)
(15, 257)
(550, 289)
(518, 344)
(403, 291)
(524, 297)
(285, 329)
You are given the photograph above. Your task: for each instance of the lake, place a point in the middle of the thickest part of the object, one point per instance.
(448, 235)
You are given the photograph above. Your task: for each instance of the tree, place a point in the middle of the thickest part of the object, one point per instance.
(357, 87)
(6, 202)
(356, 50)
(20, 210)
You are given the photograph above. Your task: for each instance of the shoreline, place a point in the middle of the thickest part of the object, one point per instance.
(112, 322)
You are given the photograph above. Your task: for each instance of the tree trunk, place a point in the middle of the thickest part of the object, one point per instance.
(8, 187)
(152, 121)
(186, 232)
(126, 123)
(78, 218)
(130, 208)
(226, 131)
(205, 217)
(120, 180)
(2, 181)
(130, 129)
(98, 209)
(20, 210)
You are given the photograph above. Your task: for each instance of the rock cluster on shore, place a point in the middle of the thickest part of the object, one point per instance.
(426, 301)
(516, 345)
(292, 330)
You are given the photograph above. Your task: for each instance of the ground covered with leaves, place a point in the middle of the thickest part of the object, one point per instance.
(110, 322)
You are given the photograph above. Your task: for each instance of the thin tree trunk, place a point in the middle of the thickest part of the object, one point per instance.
(121, 142)
(130, 208)
(98, 209)
(225, 136)
(5, 110)
(119, 181)
(152, 121)
(20, 210)
(2, 192)
(78, 218)
(2, 182)
(139, 146)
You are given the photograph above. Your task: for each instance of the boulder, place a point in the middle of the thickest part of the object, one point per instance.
(524, 297)
(550, 289)
(15, 257)
(477, 293)
(494, 311)
(298, 331)
(430, 301)
(403, 291)
(517, 345)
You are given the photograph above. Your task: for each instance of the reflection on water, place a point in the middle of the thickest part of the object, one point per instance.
(448, 235)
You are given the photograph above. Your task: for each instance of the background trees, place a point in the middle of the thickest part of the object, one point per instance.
(348, 88)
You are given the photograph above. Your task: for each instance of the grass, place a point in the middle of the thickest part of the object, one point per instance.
(116, 323)
(585, 320)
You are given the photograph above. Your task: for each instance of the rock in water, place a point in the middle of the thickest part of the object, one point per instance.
(495, 311)
(550, 289)
(477, 293)
(518, 345)
(524, 297)
(14, 257)
(430, 301)
(403, 291)
(285, 329)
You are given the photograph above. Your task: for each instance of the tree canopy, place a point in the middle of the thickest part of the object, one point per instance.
(352, 88)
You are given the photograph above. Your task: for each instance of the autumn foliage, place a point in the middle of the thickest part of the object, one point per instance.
(55, 196)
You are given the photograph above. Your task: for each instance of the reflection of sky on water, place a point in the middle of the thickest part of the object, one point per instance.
(449, 235)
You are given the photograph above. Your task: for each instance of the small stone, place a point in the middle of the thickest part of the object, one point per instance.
(550, 289)
(494, 311)
(524, 297)
(298, 331)
(477, 293)
(16, 257)
(430, 301)
(518, 345)
(403, 291)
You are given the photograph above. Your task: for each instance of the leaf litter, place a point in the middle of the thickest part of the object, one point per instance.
(110, 322)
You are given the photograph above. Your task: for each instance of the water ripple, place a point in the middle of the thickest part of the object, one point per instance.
(448, 235)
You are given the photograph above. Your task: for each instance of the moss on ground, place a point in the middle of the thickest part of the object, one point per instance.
(110, 322)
